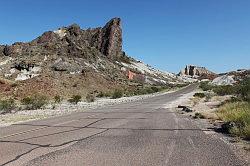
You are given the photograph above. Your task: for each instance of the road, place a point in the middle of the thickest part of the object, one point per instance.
(140, 133)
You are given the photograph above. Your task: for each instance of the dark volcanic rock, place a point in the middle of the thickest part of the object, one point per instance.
(23, 66)
(47, 37)
(111, 35)
(74, 42)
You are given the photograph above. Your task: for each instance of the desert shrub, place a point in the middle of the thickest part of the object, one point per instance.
(200, 95)
(239, 114)
(233, 99)
(117, 94)
(205, 86)
(34, 102)
(224, 90)
(243, 89)
(75, 99)
(181, 85)
(142, 91)
(104, 94)
(57, 99)
(149, 90)
(90, 98)
(7, 105)
(155, 89)
(14, 85)
(100, 94)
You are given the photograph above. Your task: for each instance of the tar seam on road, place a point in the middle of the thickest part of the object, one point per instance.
(49, 146)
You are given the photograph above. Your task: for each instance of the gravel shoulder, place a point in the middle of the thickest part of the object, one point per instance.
(211, 122)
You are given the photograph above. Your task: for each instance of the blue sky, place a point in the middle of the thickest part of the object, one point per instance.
(167, 34)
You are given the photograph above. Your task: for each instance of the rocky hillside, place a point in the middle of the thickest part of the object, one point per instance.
(71, 60)
(231, 77)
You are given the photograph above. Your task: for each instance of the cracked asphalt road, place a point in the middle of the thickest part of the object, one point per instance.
(140, 133)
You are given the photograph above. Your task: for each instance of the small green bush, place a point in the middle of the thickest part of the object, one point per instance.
(223, 90)
(205, 86)
(243, 89)
(100, 95)
(103, 94)
(57, 99)
(90, 98)
(34, 102)
(200, 95)
(7, 105)
(75, 99)
(155, 89)
(181, 85)
(117, 94)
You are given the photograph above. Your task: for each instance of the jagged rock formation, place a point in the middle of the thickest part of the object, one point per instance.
(71, 60)
(197, 72)
(108, 40)
(73, 41)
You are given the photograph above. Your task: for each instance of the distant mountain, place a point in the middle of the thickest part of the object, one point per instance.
(192, 73)
(71, 61)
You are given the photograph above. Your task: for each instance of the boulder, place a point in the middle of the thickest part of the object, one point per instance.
(227, 126)
(62, 65)
(224, 80)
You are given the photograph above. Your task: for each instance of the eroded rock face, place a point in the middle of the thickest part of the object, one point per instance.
(111, 35)
(195, 71)
(73, 41)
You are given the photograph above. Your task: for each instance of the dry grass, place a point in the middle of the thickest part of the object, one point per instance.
(5, 81)
(210, 115)
(239, 113)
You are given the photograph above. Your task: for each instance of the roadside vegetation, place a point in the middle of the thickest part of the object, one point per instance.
(147, 90)
(39, 101)
(34, 102)
(7, 105)
(143, 90)
(238, 115)
(200, 95)
(117, 94)
(90, 98)
(234, 112)
(240, 90)
(75, 99)
(58, 99)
